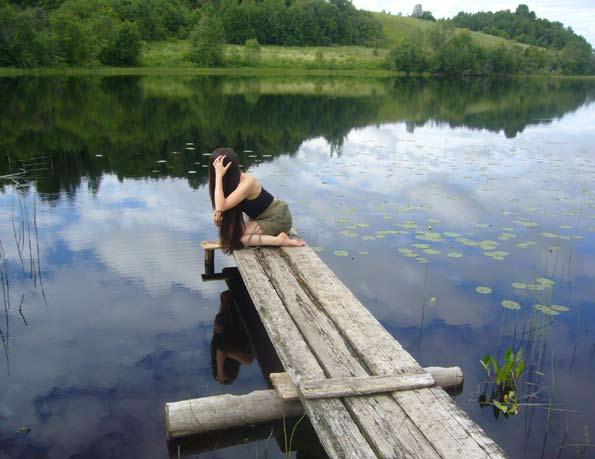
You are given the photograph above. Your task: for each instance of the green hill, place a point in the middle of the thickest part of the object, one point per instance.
(397, 28)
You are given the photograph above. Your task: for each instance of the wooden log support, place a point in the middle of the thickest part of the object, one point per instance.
(219, 412)
(209, 248)
(209, 414)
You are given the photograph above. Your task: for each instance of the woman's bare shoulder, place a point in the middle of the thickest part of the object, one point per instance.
(250, 179)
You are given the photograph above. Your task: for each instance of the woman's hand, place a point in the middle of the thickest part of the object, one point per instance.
(220, 169)
(217, 217)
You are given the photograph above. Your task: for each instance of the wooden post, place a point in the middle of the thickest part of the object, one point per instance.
(209, 248)
(208, 414)
(209, 262)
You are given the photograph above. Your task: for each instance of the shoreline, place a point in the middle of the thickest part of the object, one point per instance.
(252, 72)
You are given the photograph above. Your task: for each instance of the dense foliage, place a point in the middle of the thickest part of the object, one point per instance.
(86, 32)
(299, 23)
(525, 27)
(445, 51)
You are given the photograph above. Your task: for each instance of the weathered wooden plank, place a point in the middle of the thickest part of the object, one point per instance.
(284, 386)
(347, 387)
(443, 377)
(337, 431)
(446, 426)
(350, 387)
(207, 414)
(385, 424)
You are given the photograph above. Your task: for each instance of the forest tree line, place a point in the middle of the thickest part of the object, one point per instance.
(86, 32)
(36, 33)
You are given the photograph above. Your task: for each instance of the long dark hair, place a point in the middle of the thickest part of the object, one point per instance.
(232, 224)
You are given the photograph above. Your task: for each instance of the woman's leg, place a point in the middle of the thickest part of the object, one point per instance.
(253, 237)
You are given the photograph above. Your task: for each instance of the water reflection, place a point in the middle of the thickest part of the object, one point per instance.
(415, 192)
(230, 345)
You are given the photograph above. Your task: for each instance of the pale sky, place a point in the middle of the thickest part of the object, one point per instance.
(578, 14)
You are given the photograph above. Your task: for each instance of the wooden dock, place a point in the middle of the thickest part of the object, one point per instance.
(363, 393)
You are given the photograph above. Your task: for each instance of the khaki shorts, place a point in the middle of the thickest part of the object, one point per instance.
(275, 219)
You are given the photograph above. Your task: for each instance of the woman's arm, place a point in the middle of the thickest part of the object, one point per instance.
(238, 195)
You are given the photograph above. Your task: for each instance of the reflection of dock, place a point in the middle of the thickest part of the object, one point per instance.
(364, 395)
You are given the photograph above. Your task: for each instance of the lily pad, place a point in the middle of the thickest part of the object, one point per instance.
(545, 309)
(545, 281)
(454, 254)
(483, 290)
(432, 251)
(341, 253)
(559, 308)
(405, 250)
(422, 260)
(451, 234)
(509, 304)
(519, 285)
(348, 233)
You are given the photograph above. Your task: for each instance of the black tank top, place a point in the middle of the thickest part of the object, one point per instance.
(254, 207)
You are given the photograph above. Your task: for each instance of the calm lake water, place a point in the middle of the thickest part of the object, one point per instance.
(416, 193)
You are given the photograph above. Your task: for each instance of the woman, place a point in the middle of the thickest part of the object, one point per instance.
(234, 193)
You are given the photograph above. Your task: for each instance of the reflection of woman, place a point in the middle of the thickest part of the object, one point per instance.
(230, 346)
(233, 192)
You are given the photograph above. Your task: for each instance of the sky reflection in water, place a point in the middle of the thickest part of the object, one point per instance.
(128, 322)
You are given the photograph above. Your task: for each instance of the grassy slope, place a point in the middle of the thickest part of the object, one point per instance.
(173, 53)
(396, 28)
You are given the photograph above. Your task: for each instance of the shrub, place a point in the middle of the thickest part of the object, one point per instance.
(124, 46)
(72, 45)
(252, 51)
(207, 40)
(407, 57)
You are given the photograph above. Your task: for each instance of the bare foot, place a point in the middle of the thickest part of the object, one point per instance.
(286, 241)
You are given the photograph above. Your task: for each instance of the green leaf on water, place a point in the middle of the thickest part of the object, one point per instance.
(559, 308)
(455, 254)
(422, 260)
(545, 281)
(432, 251)
(536, 287)
(341, 253)
(451, 234)
(509, 304)
(519, 285)
(405, 250)
(483, 290)
(545, 309)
